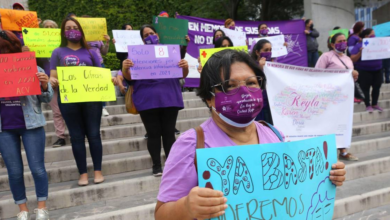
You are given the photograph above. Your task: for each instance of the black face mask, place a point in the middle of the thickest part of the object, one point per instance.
(311, 26)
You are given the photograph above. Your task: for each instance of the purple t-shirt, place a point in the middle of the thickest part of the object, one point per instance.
(64, 56)
(352, 41)
(180, 175)
(96, 46)
(366, 65)
(11, 113)
(19, 35)
(44, 63)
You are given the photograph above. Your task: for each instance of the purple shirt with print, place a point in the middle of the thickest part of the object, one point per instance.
(64, 56)
(11, 113)
(96, 46)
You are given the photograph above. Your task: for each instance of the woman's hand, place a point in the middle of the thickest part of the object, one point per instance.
(204, 203)
(107, 38)
(54, 82)
(183, 64)
(122, 89)
(337, 175)
(113, 40)
(127, 64)
(355, 75)
(114, 81)
(25, 49)
(188, 39)
(262, 62)
(44, 80)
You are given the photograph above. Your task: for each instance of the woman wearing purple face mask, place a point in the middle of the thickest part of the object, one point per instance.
(370, 74)
(263, 32)
(223, 42)
(261, 53)
(82, 119)
(230, 24)
(337, 59)
(158, 101)
(228, 78)
(218, 34)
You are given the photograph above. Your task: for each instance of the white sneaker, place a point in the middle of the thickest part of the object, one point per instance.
(105, 112)
(41, 214)
(23, 215)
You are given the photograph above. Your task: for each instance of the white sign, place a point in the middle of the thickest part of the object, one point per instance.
(123, 38)
(376, 48)
(307, 102)
(238, 38)
(277, 42)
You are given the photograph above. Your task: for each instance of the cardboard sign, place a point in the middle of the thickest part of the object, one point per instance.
(94, 28)
(171, 30)
(343, 31)
(238, 37)
(14, 20)
(376, 48)
(124, 38)
(382, 30)
(18, 75)
(155, 62)
(42, 40)
(272, 181)
(277, 42)
(85, 84)
(205, 54)
(303, 98)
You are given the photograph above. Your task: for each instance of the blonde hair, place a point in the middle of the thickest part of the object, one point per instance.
(45, 21)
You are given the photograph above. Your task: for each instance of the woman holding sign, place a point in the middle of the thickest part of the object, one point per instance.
(336, 59)
(158, 101)
(82, 118)
(229, 76)
(21, 119)
(370, 73)
(230, 24)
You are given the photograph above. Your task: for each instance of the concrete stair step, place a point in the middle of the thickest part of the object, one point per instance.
(68, 194)
(374, 127)
(385, 104)
(125, 119)
(362, 194)
(372, 142)
(378, 213)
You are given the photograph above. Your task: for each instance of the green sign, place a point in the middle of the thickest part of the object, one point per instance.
(171, 30)
(343, 31)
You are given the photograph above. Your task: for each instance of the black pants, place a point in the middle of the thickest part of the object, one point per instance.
(159, 122)
(368, 79)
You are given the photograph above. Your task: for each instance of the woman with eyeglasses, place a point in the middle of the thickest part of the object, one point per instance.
(229, 77)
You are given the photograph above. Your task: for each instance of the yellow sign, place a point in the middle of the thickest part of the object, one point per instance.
(205, 54)
(42, 40)
(14, 20)
(94, 28)
(85, 84)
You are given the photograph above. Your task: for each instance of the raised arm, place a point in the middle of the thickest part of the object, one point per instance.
(184, 65)
(126, 69)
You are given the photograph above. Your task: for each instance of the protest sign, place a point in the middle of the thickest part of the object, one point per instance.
(238, 37)
(155, 62)
(42, 40)
(124, 38)
(382, 30)
(94, 28)
(205, 54)
(18, 75)
(306, 102)
(277, 42)
(200, 31)
(343, 31)
(376, 48)
(171, 30)
(85, 84)
(287, 180)
(14, 20)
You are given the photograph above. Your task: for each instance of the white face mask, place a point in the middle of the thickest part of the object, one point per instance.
(230, 122)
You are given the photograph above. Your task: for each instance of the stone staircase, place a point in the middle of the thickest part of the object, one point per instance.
(130, 190)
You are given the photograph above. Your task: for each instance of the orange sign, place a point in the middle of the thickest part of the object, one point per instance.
(14, 20)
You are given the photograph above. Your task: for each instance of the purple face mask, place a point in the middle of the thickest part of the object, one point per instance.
(264, 32)
(73, 36)
(340, 47)
(372, 36)
(240, 109)
(151, 39)
(266, 55)
(232, 27)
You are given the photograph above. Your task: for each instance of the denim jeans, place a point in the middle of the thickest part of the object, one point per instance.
(312, 58)
(34, 145)
(386, 68)
(83, 119)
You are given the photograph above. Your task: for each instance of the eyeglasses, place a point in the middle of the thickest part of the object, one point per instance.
(231, 86)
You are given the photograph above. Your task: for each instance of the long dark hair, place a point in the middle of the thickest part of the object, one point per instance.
(258, 46)
(215, 32)
(124, 26)
(64, 41)
(141, 31)
(219, 42)
(365, 32)
(9, 43)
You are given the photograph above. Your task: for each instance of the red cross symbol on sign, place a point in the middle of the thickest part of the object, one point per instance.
(204, 54)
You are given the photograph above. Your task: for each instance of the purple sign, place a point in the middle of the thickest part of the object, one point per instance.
(201, 31)
(155, 61)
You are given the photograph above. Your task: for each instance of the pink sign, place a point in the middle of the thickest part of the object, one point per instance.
(155, 61)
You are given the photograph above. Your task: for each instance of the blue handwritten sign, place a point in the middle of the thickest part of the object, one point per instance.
(155, 62)
(382, 30)
(272, 181)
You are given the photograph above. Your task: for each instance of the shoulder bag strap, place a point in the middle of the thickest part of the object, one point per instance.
(199, 143)
(277, 133)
